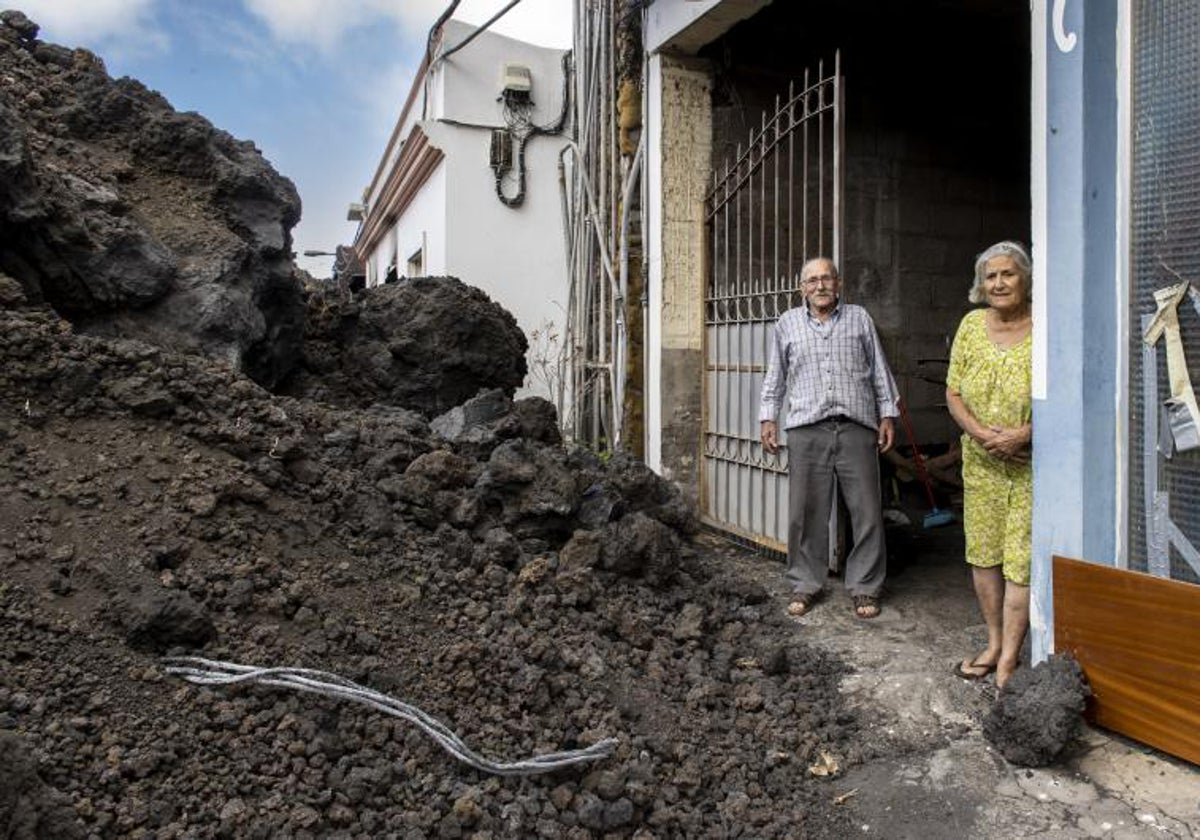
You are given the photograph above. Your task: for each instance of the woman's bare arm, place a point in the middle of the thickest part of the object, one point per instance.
(966, 420)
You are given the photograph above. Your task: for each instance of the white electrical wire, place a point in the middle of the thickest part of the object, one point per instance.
(211, 672)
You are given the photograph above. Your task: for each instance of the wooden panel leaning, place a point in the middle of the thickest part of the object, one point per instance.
(1137, 638)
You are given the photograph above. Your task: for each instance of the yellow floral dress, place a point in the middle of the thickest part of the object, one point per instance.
(995, 385)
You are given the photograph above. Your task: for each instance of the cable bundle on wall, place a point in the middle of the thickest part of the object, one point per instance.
(600, 176)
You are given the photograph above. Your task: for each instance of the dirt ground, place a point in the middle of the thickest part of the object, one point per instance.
(533, 597)
(934, 777)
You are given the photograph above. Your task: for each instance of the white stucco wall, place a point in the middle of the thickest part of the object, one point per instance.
(472, 77)
(516, 255)
(423, 225)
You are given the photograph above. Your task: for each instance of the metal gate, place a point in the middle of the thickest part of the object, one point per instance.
(777, 204)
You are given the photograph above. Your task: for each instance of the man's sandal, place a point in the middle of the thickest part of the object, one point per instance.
(866, 606)
(801, 604)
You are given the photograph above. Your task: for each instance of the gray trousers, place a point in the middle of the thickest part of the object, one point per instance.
(816, 453)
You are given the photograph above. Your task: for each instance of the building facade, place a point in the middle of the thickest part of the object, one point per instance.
(930, 131)
(468, 185)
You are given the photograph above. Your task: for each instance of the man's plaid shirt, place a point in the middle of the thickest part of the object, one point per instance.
(830, 368)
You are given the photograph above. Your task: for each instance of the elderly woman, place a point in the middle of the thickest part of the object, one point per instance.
(988, 393)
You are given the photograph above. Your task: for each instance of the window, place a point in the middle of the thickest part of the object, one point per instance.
(416, 263)
(1165, 248)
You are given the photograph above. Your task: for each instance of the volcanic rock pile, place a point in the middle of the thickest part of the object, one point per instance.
(531, 596)
(396, 518)
(132, 219)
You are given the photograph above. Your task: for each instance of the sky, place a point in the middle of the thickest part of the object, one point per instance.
(317, 85)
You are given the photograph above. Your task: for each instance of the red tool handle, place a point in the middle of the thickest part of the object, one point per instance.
(917, 459)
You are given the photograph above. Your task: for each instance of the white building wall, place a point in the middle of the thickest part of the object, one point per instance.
(472, 77)
(516, 255)
(423, 227)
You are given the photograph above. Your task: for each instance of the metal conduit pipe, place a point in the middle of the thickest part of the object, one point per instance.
(586, 81)
(560, 404)
(604, 328)
(646, 211)
(571, 203)
(600, 418)
(600, 238)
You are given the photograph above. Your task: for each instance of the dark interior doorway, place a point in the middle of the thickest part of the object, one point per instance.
(937, 104)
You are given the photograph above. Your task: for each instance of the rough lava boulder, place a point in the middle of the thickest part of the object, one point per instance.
(133, 220)
(427, 344)
(1038, 712)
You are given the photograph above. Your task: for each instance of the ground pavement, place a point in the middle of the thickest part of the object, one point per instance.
(932, 775)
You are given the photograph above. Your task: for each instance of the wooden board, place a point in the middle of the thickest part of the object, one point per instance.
(1138, 639)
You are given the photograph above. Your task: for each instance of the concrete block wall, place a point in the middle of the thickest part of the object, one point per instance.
(914, 222)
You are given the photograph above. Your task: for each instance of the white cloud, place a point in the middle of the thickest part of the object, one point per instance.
(110, 27)
(543, 22)
(225, 36)
(132, 27)
(322, 23)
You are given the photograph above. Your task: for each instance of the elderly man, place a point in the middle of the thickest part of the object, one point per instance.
(825, 357)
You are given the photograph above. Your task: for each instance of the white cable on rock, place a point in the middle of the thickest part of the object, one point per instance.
(210, 672)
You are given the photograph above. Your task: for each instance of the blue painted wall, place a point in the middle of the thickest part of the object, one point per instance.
(1075, 466)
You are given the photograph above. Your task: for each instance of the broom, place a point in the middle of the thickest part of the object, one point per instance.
(936, 516)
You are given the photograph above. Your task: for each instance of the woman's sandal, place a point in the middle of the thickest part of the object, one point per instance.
(866, 606)
(960, 670)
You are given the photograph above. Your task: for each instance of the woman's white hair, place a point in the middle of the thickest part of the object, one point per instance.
(1008, 248)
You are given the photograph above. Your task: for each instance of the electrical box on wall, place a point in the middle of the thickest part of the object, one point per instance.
(501, 150)
(515, 78)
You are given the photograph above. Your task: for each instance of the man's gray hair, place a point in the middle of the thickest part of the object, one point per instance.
(1007, 248)
(832, 265)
